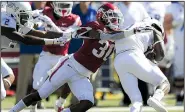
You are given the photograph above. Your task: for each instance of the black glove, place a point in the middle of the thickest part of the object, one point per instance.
(151, 55)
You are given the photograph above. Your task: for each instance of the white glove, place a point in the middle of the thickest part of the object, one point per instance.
(65, 38)
(47, 23)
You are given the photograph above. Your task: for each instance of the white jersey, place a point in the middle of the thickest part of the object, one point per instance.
(135, 12)
(140, 41)
(8, 21)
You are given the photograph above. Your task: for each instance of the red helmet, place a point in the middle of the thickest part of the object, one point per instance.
(110, 16)
(62, 8)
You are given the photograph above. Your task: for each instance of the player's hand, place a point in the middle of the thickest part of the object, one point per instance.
(150, 54)
(63, 40)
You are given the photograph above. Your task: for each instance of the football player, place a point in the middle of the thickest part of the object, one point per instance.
(17, 14)
(131, 63)
(61, 16)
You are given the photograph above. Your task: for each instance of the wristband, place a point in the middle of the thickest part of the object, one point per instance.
(49, 41)
(128, 33)
(9, 83)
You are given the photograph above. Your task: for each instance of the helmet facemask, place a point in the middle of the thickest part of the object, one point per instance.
(62, 8)
(22, 17)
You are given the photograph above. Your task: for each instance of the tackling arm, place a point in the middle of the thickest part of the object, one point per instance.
(115, 35)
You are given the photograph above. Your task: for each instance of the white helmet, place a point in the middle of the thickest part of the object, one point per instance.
(157, 25)
(62, 8)
(20, 10)
(3, 5)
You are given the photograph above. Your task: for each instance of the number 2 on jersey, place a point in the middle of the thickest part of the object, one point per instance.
(104, 51)
(7, 21)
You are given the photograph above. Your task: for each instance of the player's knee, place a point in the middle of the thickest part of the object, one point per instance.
(87, 97)
(164, 86)
(43, 94)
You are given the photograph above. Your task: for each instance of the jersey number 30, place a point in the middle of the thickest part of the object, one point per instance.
(104, 51)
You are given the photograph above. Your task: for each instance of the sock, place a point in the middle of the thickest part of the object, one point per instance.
(60, 102)
(66, 110)
(18, 107)
(136, 107)
(33, 107)
(159, 94)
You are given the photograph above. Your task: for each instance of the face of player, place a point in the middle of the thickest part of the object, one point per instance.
(23, 18)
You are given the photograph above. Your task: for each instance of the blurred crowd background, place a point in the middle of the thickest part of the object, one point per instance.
(22, 59)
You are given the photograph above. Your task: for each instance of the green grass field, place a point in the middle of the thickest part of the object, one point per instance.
(110, 101)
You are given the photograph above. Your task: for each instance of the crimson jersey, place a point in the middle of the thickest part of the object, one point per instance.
(63, 23)
(94, 52)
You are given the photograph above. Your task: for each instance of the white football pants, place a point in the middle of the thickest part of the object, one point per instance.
(133, 64)
(45, 62)
(66, 72)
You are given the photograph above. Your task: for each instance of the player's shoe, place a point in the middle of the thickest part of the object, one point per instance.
(156, 105)
(136, 107)
(33, 108)
(58, 107)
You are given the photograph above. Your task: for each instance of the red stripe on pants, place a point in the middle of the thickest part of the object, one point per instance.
(57, 68)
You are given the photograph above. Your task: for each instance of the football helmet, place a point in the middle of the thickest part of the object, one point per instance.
(110, 16)
(3, 5)
(62, 8)
(21, 11)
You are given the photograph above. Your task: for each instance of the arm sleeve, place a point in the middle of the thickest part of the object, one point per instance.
(116, 35)
(97, 34)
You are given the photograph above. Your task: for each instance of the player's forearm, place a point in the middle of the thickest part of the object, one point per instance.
(26, 39)
(94, 34)
(116, 35)
(44, 34)
(8, 81)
